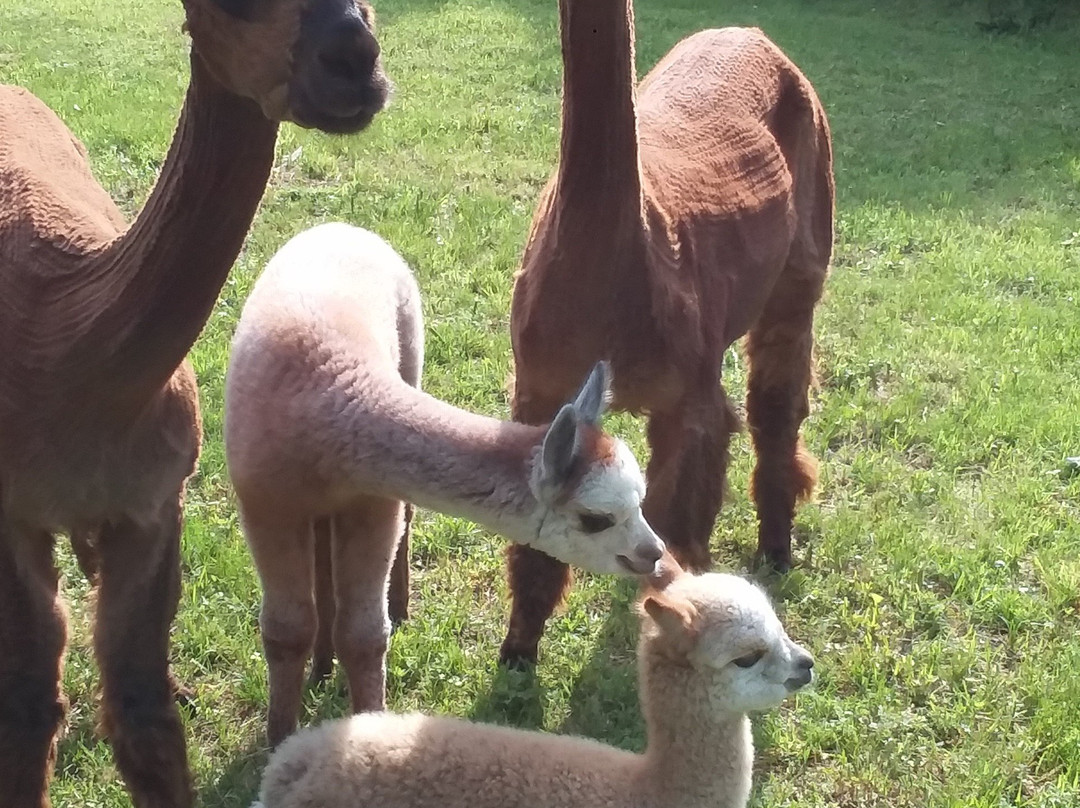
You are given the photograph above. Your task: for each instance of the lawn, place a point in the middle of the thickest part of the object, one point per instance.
(938, 581)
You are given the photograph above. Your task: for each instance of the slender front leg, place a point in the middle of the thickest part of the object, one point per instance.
(538, 582)
(33, 633)
(137, 597)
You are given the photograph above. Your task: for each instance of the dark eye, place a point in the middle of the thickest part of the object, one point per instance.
(596, 522)
(749, 660)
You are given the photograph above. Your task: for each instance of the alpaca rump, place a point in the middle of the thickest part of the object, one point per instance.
(99, 410)
(684, 213)
(711, 651)
(327, 436)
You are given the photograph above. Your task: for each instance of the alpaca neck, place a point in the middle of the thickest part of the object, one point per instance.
(599, 173)
(413, 447)
(694, 757)
(152, 288)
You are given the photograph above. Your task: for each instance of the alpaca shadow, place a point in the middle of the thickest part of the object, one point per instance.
(781, 586)
(238, 785)
(515, 698)
(604, 701)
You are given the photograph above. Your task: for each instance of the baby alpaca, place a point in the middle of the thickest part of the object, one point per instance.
(711, 650)
(327, 436)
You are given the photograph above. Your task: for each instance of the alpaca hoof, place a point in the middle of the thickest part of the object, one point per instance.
(777, 561)
(518, 659)
(183, 696)
(321, 668)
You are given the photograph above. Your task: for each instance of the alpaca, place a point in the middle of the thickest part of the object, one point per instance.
(327, 435)
(712, 650)
(99, 417)
(680, 218)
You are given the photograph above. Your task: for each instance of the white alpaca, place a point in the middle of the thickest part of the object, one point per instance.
(327, 435)
(711, 650)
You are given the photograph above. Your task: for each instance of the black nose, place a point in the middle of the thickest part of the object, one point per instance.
(349, 51)
(806, 662)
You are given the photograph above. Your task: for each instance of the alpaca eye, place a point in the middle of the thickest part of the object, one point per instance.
(596, 522)
(749, 660)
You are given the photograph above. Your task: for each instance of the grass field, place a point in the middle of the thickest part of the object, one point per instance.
(939, 575)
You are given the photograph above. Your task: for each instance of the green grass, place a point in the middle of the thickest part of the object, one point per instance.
(940, 578)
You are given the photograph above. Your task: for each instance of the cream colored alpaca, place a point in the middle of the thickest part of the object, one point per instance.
(712, 650)
(325, 432)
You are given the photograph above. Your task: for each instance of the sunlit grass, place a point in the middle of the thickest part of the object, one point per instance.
(940, 578)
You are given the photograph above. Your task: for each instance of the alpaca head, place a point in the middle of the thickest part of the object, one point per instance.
(313, 62)
(589, 490)
(724, 630)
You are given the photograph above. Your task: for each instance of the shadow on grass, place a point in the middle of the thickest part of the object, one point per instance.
(515, 698)
(604, 702)
(238, 785)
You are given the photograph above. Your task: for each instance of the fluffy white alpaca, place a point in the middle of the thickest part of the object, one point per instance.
(712, 650)
(327, 436)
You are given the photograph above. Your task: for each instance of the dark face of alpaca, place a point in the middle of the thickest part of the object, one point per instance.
(313, 62)
(338, 83)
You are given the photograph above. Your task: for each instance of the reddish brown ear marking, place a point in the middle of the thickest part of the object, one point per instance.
(597, 446)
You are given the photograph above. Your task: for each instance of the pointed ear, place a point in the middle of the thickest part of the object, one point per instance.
(560, 448)
(674, 616)
(595, 393)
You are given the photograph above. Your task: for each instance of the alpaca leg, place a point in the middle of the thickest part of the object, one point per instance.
(33, 634)
(686, 475)
(84, 545)
(538, 582)
(322, 658)
(365, 541)
(283, 548)
(399, 574)
(137, 596)
(780, 352)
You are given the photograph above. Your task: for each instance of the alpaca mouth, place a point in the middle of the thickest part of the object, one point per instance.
(640, 567)
(336, 106)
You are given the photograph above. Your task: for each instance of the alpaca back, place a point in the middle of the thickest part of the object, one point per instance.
(417, 761)
(333, 319)
(735, 156)
(707, 122)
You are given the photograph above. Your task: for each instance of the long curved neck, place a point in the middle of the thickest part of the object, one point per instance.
(693, 757)
(599, 169)
(150, 291)
(412, 446)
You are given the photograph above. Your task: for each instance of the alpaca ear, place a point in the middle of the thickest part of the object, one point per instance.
(675, 617)
(560, 448)
(595, 394)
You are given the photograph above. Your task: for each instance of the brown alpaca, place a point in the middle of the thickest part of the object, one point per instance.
(671, 227)
(99, 418)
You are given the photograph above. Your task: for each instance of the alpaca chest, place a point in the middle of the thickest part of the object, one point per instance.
(59, 476)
